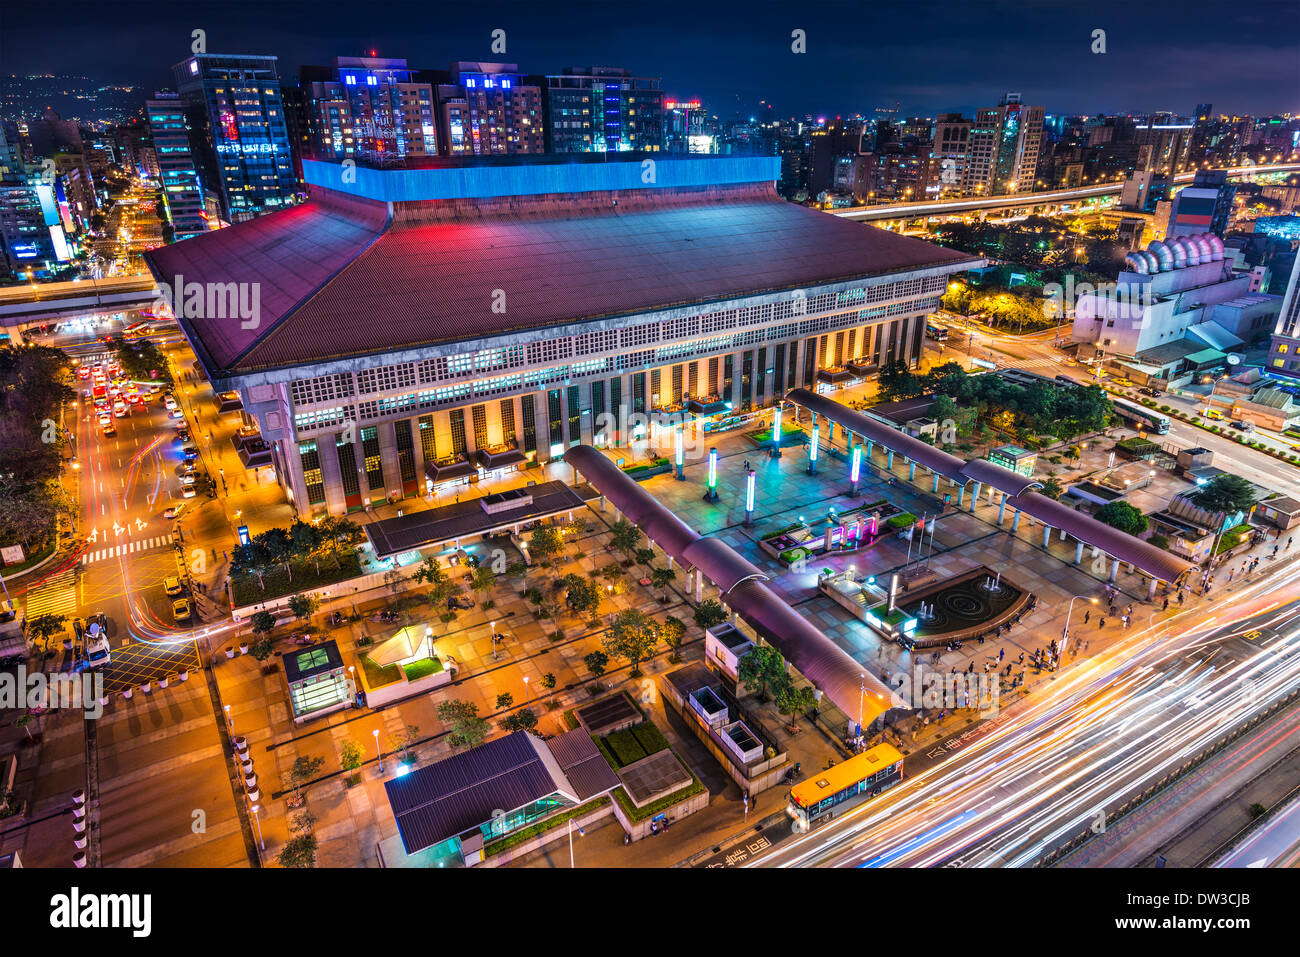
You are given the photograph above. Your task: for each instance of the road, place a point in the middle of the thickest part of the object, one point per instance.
(1048, 767)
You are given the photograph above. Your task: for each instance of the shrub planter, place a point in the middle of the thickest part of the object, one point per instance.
(78, 797)
(241, 744)
(147, 687)
(162, 682)
(182, 676)
(79, 812)
(126, 693)
(230, 652)
(243, 647)
(254, 795)
(250, 779)
(79, 840)
(103, 700)
(79, 859)
(79, 825)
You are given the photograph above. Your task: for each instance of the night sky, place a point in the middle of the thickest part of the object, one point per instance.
(924, 55)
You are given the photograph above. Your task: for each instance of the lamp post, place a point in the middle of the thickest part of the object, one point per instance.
(609, 591)
(377, 751)
(711, 493)
(749, 497)
(527, 699)
(581, 833)
(257, 825)
(679, 452)
(855, 470)
(1065, 632)
(230, 722)
(776, 432)
(813, 448)
(862, 689)
(494, 639)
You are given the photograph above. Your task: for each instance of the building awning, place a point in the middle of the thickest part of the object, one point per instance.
(1206, 357)
(1002, 479)
(404, 645)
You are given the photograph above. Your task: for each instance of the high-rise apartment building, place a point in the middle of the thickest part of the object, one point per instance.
(603, 110)
(236, 115)
(1284, 347)
(949, 156)
(181, 188)
(489, 109)
(1004, 144)
(1204, 206)
(372, 107)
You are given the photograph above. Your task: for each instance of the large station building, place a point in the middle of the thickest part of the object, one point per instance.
(407, 329)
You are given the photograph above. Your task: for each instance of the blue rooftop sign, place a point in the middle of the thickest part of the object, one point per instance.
(478, 182)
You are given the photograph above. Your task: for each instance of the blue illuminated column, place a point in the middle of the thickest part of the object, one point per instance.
(855, 470)
(679, 451)
(711, 494)
(776, 432)
(749, 496)
(813, 448)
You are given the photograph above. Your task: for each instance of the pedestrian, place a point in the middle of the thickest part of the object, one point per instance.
(1180, 599)
(1165, 606)
(1021, 659)
(1124, 620)
(1002, 653)
(1101, 623)
(1087, 614)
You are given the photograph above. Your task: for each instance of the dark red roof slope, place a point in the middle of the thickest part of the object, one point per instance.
(427, 282)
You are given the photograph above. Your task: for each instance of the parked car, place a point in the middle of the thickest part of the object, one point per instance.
(1245, 425)
(181, 610)
(175, 511)
(1213, 414)
(190, 453)
(98, 653)
(1154, 393)
(173, 586)
(188, 491)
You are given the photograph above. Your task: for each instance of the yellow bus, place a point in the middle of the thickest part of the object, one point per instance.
(847, 784)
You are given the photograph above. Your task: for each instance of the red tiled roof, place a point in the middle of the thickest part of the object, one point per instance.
(423, 282)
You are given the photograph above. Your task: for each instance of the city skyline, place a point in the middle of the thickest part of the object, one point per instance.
(1241, 66)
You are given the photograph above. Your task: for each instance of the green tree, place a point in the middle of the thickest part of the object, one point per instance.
(625, 537)
(548, 682)
(522, 720)
(405, 740)
(262, 623)
(350, 760)
(467, 729)
(43, 627)
(674, 633)
(505, 700)
(645, 556)
(709, 613)
(1225, 493)
(596, 662)
(261, 649)
(301, 772)
(1052, 488)
(303, 607)
(662, 578)
(484, 580)
(298, 851)
(760, 669)
(545, 542)
(1122, 516)
(581, 594)
(634, 636)
(792, 700)
(897, 381)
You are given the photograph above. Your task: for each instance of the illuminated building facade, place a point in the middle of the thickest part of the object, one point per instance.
(602, 109)
(236, 112)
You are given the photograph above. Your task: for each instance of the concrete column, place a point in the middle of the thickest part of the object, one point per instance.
(1015, 521)
(911, 470)
(602, 503)
(1047, 535)
(1002, 509)
(974, 497)
(935, 487)
(699, 586)
(1151, 590)
(670, 560)
(961, 496)
(1078, 553)
(1062, 534)
(870, 446)
(1114, 571)
(889, 460)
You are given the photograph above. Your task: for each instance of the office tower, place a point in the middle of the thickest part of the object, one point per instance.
(236, 115)
(1204, 206)
(489, 109)
(31, 232)
(603, 109)
(684, 128)
(371, 107)
(1284, 347)
(1004, 144)
(181, 188)
(1163, 145)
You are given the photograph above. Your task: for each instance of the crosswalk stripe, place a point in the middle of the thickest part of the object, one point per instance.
(139, 545)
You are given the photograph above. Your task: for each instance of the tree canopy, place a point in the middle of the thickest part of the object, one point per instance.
(1123, 516)
(1225, 493)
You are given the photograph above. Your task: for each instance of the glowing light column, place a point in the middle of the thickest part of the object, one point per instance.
(813, 448)
(776, 432)
(679, 451)
(711, 493)
(749, 496)
(855, 470)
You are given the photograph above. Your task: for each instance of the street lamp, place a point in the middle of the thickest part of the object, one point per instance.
(377, 751)
(527, 699)
(749, 496)
(1065, 632)
(813, 447)
(494, 639)
(581, 833)
(609, 591)
(711, 494)
(776, 432)
(862, 689)
(257, 826)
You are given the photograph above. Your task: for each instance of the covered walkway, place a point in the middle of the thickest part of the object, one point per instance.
(1017, 491)
(816, 657)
